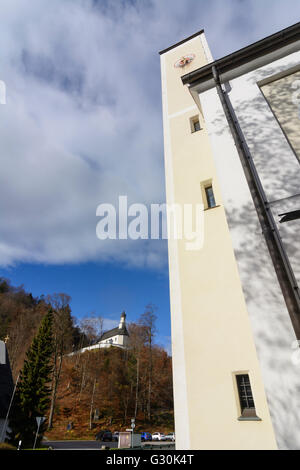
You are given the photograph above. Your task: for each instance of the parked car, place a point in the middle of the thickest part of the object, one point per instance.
(104, 436)
(146, 436)
(158, 436)
(170, 436)
(115, 436)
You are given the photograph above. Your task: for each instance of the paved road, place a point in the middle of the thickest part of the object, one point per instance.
(86, 445)
(79, 445)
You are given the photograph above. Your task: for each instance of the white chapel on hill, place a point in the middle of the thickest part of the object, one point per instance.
(118, 337)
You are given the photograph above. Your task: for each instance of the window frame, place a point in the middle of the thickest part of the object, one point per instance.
(193, 121)
(245, 413)
(272, 79)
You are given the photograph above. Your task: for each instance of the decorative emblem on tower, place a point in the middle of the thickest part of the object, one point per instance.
(184, 60)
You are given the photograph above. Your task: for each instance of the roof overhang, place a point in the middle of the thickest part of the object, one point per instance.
(181, 42)
(244, 60)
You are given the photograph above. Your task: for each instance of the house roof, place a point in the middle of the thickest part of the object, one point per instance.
(249, 53)
(114, 332)
(182, 42)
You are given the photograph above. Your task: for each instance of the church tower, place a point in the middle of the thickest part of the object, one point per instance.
(219, 395)
(122, 323)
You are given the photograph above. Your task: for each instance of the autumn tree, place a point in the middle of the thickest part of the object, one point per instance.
(20, 317)
(116, 382)
(92, 327)
(147, 321)
(62, 341)
(138, 335)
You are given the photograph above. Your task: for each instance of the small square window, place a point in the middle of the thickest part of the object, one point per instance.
(210, 197)
(195, 124)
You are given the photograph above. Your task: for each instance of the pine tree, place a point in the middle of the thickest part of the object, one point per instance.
(33, 392)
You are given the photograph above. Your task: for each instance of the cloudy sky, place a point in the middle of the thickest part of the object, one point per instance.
(82, 124)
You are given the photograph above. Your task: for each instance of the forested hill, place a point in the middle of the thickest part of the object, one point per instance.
(105, 388)
(102, 388)
(20, 318)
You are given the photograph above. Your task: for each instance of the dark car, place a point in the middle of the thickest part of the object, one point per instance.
(115, 436)
(146, 436)
(104, 436)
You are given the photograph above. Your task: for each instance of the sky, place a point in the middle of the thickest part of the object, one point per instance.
(82, 125)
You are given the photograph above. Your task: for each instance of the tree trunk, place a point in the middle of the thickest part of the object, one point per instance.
(150, 380)
(82, 381)
(56, 376)
(92, 405)
(137, 386)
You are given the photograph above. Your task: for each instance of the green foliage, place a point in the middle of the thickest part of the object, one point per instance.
(4, 285)
(32, 394)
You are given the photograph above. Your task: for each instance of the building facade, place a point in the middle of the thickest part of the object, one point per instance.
(117, 337)
(6, 390)
(231, 137)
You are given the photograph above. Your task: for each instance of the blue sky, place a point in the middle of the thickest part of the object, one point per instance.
(104, 289)
(83, 124)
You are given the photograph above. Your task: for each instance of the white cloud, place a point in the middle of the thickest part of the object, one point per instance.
(109, 324)
(82, 124)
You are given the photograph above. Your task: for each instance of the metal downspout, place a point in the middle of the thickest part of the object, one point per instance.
(277, 251)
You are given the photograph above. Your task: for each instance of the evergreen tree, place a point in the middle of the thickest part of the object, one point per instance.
(33, 392)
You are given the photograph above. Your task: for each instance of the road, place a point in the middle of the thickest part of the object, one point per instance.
(78, 445)
(86, 445)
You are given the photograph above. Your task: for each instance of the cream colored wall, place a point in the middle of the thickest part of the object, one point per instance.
(211, 333)
(122, 340)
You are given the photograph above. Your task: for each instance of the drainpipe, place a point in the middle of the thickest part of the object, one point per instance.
(284, 271)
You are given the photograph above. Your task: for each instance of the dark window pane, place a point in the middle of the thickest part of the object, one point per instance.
(196, 126)
(245, 392)
(210, 197)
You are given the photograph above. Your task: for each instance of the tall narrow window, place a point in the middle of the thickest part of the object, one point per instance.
(245, 396)
(195, 124)
(210, 197)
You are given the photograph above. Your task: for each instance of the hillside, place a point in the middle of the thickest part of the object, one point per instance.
(97, 389)
(20, 318)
